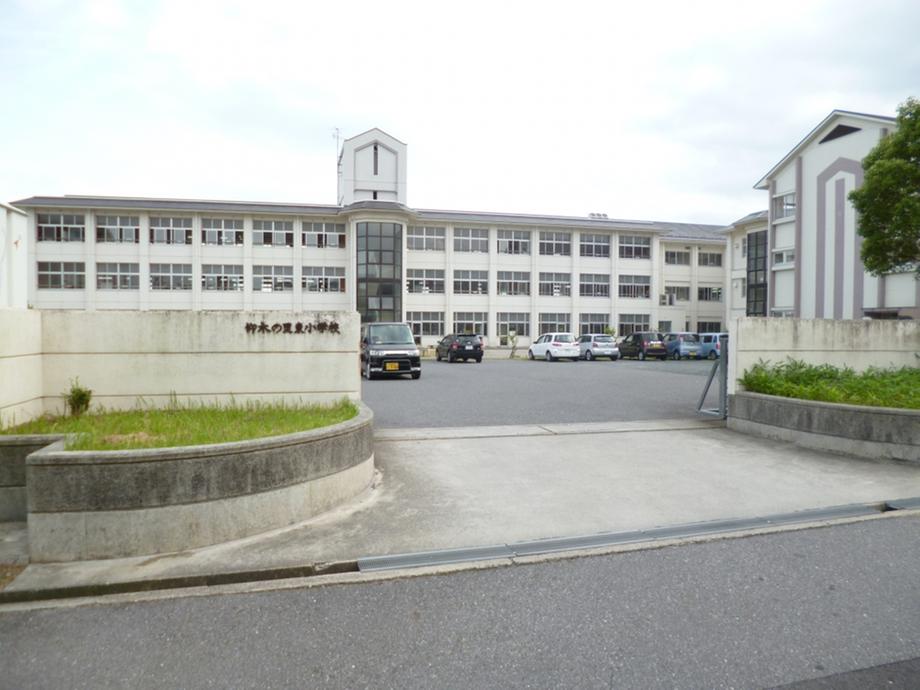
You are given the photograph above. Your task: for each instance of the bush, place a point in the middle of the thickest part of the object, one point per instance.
(826, 383)
(77, 398)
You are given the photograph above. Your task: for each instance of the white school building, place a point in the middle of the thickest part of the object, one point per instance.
(441, 271)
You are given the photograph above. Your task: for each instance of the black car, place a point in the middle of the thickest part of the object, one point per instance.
(459, 346)
(643, 345)
(388, 349)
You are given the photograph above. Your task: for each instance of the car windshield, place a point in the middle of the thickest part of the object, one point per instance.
(603, 339)
(390, 334)
(562, 338)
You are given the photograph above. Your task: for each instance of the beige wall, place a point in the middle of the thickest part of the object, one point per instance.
(20, 365)
(856, 344)
(124, 356)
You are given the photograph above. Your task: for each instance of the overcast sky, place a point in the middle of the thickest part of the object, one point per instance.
(671, 111)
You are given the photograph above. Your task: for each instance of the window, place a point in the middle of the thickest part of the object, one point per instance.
(425, 281)
(221, 277)
(757, 274)
(471, 240)
(427, 239)
(117, 276)
(426, 322)
(66, 275)
(677, 258)
(681, 292)
(593, 323)
(170, 276)
(508, 321)
(324, 235)
(556, 284)
(594, 285)
(514, 241)
(633, 247)
(222, 231)
(61, 227)
(323, 278)
(554, 323)
(170, 230)
(630, 323)
(709, 294)
(555, 243)
(272, 278)
(636, 286)
(471, 282)
(709, 259)
(118, 229)
(471, 322)
(379, 286)
(513, 283)
(273, 233)
(664, 326)
(784, 206)
(784, 257)
(709, 326)
(595, 245)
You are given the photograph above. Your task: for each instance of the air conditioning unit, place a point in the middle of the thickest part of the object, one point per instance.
(666, 300)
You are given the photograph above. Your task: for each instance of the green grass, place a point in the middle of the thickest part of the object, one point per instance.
(873, 387)
(186, 425)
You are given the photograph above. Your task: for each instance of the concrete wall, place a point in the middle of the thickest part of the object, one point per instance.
(21, 373)
(110, 504)
(869, 432)
(124, 356)
(13, 453)
(856, 344)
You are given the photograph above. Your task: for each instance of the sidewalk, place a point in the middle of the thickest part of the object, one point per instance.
(466, 487)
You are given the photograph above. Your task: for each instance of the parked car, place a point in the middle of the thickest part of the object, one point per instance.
(552, 346)
(455, 346)
(682, 345)
(710, 348)
(594, 345)
(643, 344)
(389, 349)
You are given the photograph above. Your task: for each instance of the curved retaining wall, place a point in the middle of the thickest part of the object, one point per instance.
(110, 504)
(869, 432)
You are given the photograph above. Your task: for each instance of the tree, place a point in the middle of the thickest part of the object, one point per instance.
(888, 202)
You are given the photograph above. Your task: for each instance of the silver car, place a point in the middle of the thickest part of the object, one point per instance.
(594, 345)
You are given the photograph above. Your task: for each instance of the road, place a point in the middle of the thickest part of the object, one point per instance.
(753, 612)
(499, 392)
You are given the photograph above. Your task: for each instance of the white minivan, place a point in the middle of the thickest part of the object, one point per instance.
(552, 346)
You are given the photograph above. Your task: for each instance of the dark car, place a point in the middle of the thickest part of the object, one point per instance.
(643, 345)
(459, 346)
(389, 349)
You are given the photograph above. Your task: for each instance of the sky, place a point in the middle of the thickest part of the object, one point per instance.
(667, 111)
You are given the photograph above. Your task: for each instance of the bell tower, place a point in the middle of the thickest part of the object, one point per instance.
(372, 167)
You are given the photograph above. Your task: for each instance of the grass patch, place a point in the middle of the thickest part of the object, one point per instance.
(186, 425)
(826, 383)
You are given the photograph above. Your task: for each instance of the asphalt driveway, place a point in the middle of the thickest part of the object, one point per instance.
(511, 392)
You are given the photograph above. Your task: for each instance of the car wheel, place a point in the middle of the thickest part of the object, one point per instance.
(549, 356)
(479, 360)
(416, 374)
(367, 370)
(437, 356)
(588, 355)
(614, 359)
(676, 355)
(641, 355)
(529, 354)
(450, 357)
(712, 354)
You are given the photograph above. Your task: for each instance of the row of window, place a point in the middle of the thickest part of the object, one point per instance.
(66, 227)
(431, 323)
(550, 243)
(432, 281)
(682, 258)
(126, 276)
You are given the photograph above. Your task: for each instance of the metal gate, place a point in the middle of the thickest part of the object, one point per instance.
(720, 370)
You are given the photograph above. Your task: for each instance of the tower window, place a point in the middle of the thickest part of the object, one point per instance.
(376, 160)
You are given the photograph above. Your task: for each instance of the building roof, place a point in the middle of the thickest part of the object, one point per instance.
(10, 207)
(882, 119)
(687, 231)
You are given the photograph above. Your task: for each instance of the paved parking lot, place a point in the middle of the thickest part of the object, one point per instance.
(502, 392)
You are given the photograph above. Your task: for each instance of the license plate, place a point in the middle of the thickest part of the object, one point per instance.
(469, 347)
(391, 366)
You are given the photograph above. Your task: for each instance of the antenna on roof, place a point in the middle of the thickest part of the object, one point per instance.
(600, 216)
